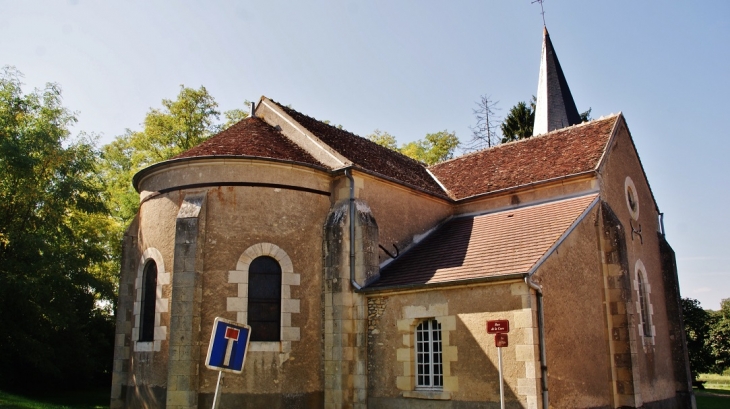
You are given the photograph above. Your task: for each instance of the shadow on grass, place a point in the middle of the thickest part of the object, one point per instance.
(712, 399)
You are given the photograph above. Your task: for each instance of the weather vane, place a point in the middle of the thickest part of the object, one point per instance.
(542, 10)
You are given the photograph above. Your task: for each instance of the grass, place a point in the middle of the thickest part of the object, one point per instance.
(715, 381)
(716, 394)
(91, 399)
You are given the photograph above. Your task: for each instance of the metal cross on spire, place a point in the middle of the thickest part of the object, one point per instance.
(542, 11)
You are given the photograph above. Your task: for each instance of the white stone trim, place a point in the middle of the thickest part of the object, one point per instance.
(161, 304)
(412, 316)
(289, 305)
(630, 187)
(640, 269)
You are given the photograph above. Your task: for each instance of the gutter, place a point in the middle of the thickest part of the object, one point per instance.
(541, 343)
(348, 173)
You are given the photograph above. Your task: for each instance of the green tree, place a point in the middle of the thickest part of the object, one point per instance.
(697, 324)
(519, 122)
(384, 139)
(719, 337)
(434, 148)
(52, 275)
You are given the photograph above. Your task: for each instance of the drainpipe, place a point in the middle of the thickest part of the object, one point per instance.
(348, 173)
(541, 334)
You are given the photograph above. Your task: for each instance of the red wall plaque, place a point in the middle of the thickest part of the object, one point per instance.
(500, 340)
(497, 326)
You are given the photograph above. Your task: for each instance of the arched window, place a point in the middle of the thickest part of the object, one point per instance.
(264, 299)
(147, 309)
(429, 363)
(644, 305)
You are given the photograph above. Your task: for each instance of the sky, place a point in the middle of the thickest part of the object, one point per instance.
(412, 68)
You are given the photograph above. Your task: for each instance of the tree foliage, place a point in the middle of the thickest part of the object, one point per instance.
(434, 148)
(708, 337)
(696, 328)
(519, 122)
(52, 258)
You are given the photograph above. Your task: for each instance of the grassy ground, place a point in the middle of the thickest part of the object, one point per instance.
(93, 399)
(716, 394)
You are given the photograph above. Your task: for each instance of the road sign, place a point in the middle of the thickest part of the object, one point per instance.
(228, 346)
(500, 340)
(497, 326)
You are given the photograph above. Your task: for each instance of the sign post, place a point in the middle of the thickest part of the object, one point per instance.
(499, 328)
(227, 350)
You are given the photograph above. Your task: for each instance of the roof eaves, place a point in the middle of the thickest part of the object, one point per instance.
(525, 186)
(149, 170)
(443, 284)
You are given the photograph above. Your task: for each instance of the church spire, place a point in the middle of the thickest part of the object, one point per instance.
(555, 107)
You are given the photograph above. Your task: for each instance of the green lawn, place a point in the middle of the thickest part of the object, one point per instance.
(93, 399)
(716, 394)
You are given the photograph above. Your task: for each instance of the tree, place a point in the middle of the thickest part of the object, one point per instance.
(719, 337)
(519, 122)
(586, 116)
(485, 131)
(52, 261)
(434, 148)
(384, 139)
(697, 324)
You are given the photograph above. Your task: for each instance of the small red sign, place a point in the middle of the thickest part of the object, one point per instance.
(497, 326)
(500, 340)
(232, 333)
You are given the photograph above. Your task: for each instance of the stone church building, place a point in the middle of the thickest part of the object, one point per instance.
(368, 278)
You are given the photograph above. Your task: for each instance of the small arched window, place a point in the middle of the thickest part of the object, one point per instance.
(147, 309)
(644, 305)
(264, 299)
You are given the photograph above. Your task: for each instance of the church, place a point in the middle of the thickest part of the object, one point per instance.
(368, 278)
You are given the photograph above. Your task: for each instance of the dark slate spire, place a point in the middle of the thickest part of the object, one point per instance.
(555, 107)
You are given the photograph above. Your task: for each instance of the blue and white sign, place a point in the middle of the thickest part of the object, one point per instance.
(228, 346)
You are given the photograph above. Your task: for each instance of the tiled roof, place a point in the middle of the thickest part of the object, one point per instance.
(563, 152)
(251, 137)
(369, 155)
(490, 245)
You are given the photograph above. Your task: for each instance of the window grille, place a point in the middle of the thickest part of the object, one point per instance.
(429, 363)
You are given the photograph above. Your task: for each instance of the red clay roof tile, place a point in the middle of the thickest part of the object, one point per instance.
(369, 155)
(489, 245)
(559, 153)
(251, 137)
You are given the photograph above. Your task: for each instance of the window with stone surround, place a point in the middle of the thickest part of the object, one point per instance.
(264, 299)
(284, 330)
(148, 330)
(643, 303)
(147, 308)
(429, 362)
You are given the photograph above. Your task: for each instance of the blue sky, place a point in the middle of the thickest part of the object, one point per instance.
(415, 67)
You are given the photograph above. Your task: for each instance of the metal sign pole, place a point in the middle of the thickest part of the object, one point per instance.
(216, 397)
(501, 382)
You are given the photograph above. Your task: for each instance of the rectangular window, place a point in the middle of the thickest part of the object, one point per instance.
(429, 366)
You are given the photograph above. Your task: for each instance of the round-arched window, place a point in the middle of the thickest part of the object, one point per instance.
(149, 300)
(264, 299)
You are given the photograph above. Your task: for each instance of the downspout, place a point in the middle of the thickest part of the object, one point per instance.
(348, 173)
(541, 335)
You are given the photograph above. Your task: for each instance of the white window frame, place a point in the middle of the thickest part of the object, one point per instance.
(429, 368)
